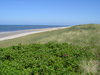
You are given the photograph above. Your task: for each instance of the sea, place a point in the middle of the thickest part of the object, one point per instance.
(8, 28)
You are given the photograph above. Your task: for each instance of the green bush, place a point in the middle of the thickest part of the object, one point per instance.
(43, 59)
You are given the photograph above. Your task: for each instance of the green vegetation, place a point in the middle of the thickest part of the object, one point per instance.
(43, 59)
(78, 35)
(72, 51)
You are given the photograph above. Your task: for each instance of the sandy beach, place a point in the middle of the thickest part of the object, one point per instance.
(20, 33)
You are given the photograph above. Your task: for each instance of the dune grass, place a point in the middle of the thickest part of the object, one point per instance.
(80, 35)
(85, 36)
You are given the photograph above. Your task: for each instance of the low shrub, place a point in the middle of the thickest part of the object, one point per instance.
(43, 59)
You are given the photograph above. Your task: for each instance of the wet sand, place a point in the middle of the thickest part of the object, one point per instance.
(20, 33)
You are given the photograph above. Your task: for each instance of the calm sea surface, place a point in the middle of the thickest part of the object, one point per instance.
(6, 28)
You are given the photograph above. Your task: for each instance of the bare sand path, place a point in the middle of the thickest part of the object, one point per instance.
(20, 33)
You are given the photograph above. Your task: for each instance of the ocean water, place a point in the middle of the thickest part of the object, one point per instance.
(7, 28)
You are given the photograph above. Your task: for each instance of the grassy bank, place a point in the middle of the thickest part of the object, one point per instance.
(78, 35)
(76, 51)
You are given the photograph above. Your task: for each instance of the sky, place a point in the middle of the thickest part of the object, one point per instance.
(49, 12)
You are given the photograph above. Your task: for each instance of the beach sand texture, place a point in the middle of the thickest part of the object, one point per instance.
(20, 33)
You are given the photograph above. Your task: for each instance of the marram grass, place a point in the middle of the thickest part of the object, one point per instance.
(79, 35)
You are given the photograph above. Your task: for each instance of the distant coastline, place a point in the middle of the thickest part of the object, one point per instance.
(9, 28)
(20, 33)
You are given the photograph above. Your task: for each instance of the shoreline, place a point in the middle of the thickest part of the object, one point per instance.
(20, 33)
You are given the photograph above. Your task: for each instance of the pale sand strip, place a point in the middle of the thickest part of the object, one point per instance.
(16, 34)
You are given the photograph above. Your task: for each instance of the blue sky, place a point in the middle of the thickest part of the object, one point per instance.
(49, 12)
